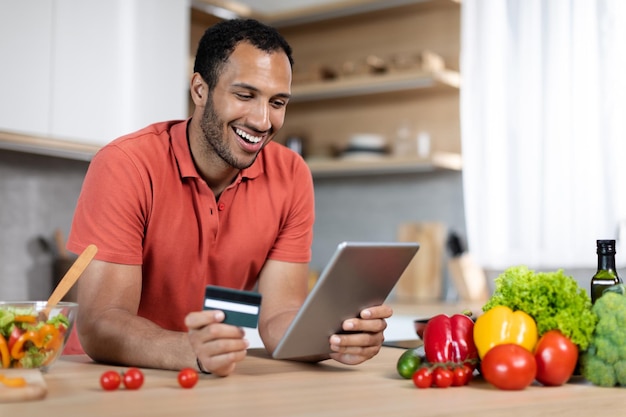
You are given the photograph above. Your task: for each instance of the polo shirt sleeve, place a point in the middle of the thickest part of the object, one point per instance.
(112, 208)
(295, 237)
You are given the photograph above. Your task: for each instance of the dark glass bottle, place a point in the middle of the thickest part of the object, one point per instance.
(606, 274)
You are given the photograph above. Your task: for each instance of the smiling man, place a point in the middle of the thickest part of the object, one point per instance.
(183, 204)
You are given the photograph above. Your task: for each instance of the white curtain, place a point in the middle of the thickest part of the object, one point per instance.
(543, 122)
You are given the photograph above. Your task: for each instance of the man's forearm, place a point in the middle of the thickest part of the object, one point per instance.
(122, 338)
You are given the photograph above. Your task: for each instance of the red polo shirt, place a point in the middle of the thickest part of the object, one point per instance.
(144, 203)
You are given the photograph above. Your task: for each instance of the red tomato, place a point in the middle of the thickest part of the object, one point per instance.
(110, 380)
(443, 377)
(461, 375)
(423, 378)
(556, 358)
(187, 377)
(509, 367)
(133, 378)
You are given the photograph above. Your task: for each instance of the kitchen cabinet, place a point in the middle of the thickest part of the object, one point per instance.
(25, 48)
(83, 73)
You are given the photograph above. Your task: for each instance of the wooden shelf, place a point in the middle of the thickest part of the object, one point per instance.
(372, 84)
(320, 168)
(387, 165)
(47, 146)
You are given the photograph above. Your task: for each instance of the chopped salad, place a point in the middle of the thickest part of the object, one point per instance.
(26, 341)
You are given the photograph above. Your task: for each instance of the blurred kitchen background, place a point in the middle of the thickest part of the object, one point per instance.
(378, 112)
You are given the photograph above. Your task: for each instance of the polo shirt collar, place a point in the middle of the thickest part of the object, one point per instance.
(186, 166)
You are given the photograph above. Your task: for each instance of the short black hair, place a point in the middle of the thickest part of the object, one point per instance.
(219, 42)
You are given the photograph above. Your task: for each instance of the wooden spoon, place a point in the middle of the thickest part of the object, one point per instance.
(70, 278)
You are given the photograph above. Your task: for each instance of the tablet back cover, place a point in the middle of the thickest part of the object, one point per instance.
(359, 275)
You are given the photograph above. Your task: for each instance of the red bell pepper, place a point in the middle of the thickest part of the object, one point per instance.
(450, 340)
(15, 334)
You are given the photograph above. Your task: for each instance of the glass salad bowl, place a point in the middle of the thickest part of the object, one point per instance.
(31, 339)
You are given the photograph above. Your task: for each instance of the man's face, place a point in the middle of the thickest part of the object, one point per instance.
(247, 106)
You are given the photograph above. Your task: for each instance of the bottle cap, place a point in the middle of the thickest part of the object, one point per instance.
(605, 247)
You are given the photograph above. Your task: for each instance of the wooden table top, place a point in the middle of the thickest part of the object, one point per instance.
(262, 386)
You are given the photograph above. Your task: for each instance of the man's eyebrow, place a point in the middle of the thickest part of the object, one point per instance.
(255, 89)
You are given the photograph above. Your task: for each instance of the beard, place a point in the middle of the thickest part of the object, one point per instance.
(215, 140)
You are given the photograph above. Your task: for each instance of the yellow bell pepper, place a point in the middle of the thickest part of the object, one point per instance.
(5, 356)
(17, 351)
(501, 325)
(16, 382)
(49, 336)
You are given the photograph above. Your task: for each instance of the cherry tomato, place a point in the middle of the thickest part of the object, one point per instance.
(423, 378)
(509, 367)
(461, 375)
(187, 377)
(556, 358)
(443, 377)
(133, 378)
(110, 380)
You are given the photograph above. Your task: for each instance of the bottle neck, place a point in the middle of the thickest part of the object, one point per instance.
(606, 262)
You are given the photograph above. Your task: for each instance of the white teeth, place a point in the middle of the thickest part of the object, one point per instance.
(249, 138)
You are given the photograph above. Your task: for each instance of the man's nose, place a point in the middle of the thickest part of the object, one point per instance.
(259, 117)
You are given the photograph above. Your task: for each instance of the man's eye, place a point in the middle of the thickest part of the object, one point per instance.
(279, 103)
(242, 96)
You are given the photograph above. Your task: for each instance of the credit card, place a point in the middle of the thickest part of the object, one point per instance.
(241, 308)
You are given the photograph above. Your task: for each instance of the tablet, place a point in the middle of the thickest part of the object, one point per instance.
(358, 275)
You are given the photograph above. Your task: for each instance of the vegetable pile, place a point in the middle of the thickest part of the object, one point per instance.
(534, 324)
(536, 327)
(26, 341)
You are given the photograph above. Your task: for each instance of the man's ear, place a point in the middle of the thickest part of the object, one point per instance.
(199, 90)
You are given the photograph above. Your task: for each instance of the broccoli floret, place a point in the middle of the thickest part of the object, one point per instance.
(620, 372)
(604, 361)
(605, 350)
(598, 372)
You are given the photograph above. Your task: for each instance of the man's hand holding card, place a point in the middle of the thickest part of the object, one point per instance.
(217, 347)
(241, 308)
